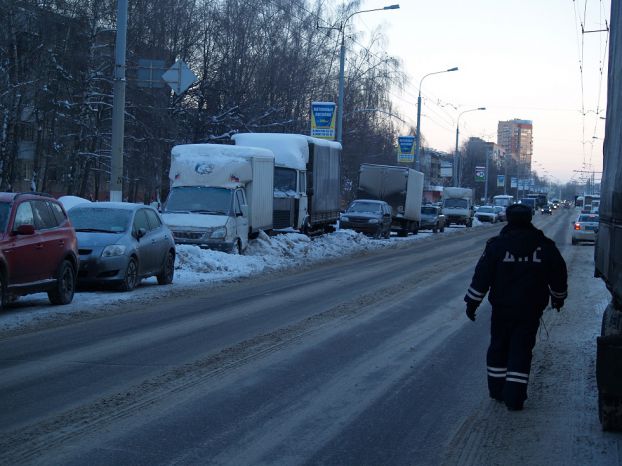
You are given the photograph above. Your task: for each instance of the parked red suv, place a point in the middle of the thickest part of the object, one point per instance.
(38, 246)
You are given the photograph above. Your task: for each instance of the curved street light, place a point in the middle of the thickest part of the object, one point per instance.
(418, 138)
(342, 63)
(456, 178)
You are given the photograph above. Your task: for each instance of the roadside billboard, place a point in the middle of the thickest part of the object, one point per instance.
(323, 118)
(406, 149)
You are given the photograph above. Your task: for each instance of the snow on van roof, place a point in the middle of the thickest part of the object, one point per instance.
(290, 150)
(213, 164)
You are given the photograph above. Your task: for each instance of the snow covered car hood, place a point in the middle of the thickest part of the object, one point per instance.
(92, 239)
(194, 220)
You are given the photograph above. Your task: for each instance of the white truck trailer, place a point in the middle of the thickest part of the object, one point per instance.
(457, 206)
(400, 187)
(220, 195)
(307, 179)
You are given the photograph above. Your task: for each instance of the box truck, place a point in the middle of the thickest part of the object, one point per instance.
(457, 206)
(400, 187)
(307, 179)
(220, 196)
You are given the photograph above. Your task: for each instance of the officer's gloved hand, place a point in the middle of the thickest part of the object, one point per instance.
(557, 303)
(470, 310)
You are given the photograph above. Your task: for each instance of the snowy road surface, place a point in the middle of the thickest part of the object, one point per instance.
(367, 359)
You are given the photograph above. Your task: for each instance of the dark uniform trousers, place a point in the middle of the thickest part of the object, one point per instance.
(509, 357)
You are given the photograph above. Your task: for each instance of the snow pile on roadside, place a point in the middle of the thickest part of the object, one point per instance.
(271, 253)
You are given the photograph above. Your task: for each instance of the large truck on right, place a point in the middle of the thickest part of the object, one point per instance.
(608, 251)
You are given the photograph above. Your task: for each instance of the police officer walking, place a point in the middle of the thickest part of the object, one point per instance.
(523, 269)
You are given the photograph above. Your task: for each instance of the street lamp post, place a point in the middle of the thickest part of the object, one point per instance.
(418, 140)
(456, 177)
(342, 64)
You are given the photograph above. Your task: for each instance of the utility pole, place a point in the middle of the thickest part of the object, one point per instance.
(118, 106)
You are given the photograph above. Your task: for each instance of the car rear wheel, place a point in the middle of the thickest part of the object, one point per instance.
(131, 276)
(237, 248)
(165, 277)
(574, 241)
(65, 286)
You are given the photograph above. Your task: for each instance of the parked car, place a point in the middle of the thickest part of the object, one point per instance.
(38, 246)
(432, 218)
(368, 216)
(121, 243)
(584, 228)
(500, 211)
(486, 213)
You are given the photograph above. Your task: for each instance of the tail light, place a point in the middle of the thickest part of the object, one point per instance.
(577, 226)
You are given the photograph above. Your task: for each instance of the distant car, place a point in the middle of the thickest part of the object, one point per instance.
(368, 216)
(500, 210)
(432, 218)
(584, 228)
(546, 210)
(486, 213)
(122, 243)
(38, 248)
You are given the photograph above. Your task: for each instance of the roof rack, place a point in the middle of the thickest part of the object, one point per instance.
(32, 193)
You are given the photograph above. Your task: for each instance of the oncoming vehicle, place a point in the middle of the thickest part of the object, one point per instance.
(432, 219)
(121, 243)
(546, 210)
(584, 228)
(368, 216)
(486, 213)
(38, 247)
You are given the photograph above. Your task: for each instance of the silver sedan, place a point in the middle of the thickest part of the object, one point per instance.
(122, 243)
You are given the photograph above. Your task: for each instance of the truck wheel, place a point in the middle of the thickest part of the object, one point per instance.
(469, 223)
(442, 228)
(237, 248)
(402, 233)
(610, 412)
(435, 229)
(387, 234)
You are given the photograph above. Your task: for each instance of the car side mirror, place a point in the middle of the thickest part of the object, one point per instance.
(25, 230)
(140, 233)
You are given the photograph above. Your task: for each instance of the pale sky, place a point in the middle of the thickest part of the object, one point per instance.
(518, 58)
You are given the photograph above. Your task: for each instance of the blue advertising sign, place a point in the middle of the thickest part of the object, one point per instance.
(406, 149)
(514, 182)
(500, 181)
(323, 118)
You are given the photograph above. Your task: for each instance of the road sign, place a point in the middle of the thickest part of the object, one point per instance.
(480, 174)
(179, 77)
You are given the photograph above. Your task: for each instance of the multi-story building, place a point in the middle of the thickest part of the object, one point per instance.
(515, 137)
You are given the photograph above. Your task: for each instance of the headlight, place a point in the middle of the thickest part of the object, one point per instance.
(345, 219)
(373, 220)
(219, 233)
(113, 250)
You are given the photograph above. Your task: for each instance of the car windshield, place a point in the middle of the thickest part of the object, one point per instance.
(365, 207)
(99, 219)
(199, 199)
(457, 203)
(284, 179)
(5, 209)
(498, 209)
(428, 210)
(588, 218)
(485, 210)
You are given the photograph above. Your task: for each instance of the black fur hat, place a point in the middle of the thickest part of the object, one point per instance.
(518, 214)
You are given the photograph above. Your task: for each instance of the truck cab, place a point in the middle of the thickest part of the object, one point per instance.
(207, 216)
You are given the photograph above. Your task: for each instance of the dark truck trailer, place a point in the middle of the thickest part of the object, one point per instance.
(400, 187)
(608, 253)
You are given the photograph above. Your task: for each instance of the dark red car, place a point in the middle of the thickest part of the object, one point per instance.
(38, 248)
